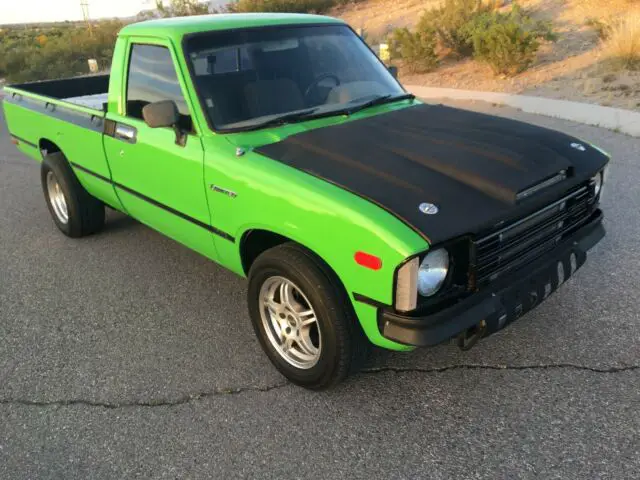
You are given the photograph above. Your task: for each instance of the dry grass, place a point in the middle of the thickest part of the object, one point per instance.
(573, 68)
(622, 46)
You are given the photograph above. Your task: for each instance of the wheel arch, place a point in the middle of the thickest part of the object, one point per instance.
(47, 147)
(258, 240)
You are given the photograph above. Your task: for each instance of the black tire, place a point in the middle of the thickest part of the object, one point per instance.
(85, 213)
(344, 346)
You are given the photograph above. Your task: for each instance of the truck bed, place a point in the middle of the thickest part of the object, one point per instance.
(96, 101)
(66, 115)
(89, 91)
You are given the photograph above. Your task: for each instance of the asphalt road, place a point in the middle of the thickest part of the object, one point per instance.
(126, 355)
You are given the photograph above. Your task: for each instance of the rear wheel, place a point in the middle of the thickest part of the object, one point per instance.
(303, 318)
(74, 211)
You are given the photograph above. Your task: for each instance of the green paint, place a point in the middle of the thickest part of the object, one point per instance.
(270, 195)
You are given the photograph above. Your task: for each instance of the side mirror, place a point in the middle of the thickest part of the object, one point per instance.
(393, 71)
(161, 114)
(164, 114)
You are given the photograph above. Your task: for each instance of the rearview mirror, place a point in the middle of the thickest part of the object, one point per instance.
(161, 114)
(393, 71)
(164, 114)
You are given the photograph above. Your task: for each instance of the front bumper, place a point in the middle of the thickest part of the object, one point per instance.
(500, 303)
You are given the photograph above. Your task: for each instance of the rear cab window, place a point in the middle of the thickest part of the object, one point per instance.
(222, 60)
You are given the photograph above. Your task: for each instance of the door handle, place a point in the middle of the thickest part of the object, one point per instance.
(125, 133)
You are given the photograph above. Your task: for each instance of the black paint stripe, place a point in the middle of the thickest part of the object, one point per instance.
(210, 228)
(22, 140)
(91, 172)
(369, 301)
(213, 230)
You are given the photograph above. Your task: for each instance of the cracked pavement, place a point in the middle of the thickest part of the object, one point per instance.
(126, 355)
(162, 402)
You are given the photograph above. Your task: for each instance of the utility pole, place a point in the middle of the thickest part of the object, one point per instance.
(84, 4)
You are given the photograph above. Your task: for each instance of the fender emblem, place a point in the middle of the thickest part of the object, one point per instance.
(229, 193)
(428, 208)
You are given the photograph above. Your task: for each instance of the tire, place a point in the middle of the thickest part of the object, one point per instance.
(74, 211)
(340, 344)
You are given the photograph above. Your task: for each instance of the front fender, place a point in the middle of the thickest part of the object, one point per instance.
(326, 219)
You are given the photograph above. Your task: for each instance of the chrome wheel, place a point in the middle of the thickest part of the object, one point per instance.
(290, 322)
(56, 198)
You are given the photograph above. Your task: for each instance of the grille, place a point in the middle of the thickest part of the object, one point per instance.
(529, 238)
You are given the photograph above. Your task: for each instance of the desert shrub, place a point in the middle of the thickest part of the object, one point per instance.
(417, 49)
(450, 20)
(622, 47)
(64, 53)
(601, 27)
(508, 42)
(181, 8)
(291, 6)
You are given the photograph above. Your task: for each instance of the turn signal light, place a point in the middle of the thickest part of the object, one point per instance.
(367, 260)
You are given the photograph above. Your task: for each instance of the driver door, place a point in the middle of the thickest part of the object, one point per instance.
(158, 181)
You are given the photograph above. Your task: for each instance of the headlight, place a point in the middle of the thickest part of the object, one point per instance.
(597, 182)
(433, 272)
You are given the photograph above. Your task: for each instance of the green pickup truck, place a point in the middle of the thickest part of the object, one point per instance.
(281, 147)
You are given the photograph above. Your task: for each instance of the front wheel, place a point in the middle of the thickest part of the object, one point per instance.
(303, 319)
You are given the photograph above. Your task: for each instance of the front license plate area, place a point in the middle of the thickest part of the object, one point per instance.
(527, 294)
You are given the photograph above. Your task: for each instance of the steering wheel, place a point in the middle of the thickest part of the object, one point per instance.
(314, 84)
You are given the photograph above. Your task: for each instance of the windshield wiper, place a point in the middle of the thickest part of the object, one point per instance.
(312, 113)
(282, 119)
(378, 101)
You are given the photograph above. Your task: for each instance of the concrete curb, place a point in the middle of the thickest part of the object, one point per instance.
(617, 119)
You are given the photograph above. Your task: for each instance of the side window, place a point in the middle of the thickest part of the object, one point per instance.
(152, 78)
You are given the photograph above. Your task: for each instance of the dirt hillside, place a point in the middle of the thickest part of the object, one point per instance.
(570, 68)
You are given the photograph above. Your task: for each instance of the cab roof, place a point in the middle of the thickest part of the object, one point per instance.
(178, 27)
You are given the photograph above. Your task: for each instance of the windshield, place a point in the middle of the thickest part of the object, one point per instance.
(253, 77)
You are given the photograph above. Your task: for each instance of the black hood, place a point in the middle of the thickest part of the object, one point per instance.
(473, 167)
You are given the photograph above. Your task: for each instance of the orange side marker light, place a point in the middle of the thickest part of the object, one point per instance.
(368, 261)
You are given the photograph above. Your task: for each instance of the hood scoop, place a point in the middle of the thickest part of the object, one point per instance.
(549, 182)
